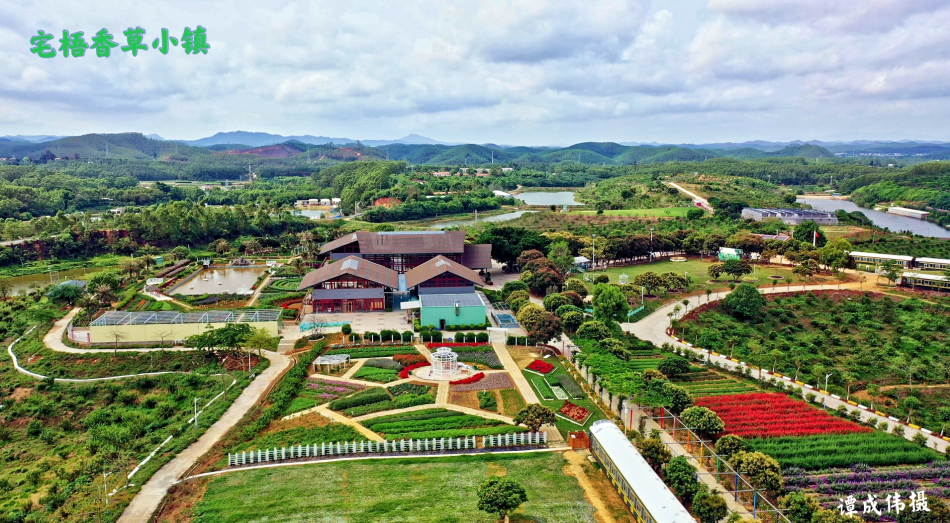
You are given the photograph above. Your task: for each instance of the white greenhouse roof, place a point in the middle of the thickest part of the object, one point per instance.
(172, 317)
(653, 493)
(933, 260)
(924, 276)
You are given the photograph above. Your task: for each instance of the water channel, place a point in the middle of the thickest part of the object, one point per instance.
(881, 219)
(471, 221)
(21, 284)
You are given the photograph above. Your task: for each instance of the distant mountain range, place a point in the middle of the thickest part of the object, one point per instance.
(253, 139)
(29, 139)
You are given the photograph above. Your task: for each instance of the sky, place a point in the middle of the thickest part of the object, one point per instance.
(505, 72)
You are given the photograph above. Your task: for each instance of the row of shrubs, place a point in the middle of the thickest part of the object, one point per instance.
(471, 337)
(383, 335)
(418, 327)
(517, 340)
(285, 392)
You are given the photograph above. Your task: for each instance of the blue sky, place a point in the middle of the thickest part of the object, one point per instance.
(515, 72)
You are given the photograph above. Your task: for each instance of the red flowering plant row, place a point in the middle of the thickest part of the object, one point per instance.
(541, 367)
(409, 359)
(574, 412)
(760, 415)
(432, 346)
(471, 379)
(404, 373)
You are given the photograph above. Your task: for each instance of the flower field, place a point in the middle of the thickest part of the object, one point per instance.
(762, 415)
(318, 391)
(861, 481)
(843, 450)
(541, 367)
(471, 379)
(574, 412)
(436, 423)
(404, 373)
(493, 381)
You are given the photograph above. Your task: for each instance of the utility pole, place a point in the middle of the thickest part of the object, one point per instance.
(196, 412)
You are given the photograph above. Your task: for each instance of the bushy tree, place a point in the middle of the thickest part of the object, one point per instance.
(501, 496)
(609, 303)
(673, 366)
(529, 315)
(615, 347)
(798, 507)
(571, 321)
(576, 299)
(545, 328)
(531, 254)
(761, 469)
(709, 507)
(744, 302)
(737, 268)
(730, 444)
(649, 280)
(805, 233)
(593, 330)
(681, 477)
(576, 285)
(534, 415)
(67, 293)
(703, 420)
(512, 286)
(655, 452)
(560, 256)
(716, 270)
(564, 309)
(553, 301)
(540, 281)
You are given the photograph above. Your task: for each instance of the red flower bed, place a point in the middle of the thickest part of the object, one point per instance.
(575, 412)
(470, 379)
(447, 344)
(760, 415)
(541, 367)
(404, 373)
(409, 359)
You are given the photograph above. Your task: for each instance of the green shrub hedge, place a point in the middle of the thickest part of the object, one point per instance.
(364, 397)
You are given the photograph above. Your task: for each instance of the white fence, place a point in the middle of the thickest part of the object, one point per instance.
(368, 447)
(521, 438)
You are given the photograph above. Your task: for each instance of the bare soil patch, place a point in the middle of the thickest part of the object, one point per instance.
(598, 491)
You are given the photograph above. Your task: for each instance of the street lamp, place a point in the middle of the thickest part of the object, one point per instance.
(642, 289)
(593, 251)
(196, 412)
(826, 381)
(651, 243)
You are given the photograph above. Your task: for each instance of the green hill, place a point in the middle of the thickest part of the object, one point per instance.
(132, 146)
(807, 150)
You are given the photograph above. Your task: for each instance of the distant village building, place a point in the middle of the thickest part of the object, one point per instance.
(791, 216)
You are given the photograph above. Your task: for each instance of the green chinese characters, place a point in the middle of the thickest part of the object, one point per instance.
(74, 44)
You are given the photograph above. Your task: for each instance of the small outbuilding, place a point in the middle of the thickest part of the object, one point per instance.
(450, 310)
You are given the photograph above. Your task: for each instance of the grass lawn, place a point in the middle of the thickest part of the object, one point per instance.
(434, 490)
(672, 212)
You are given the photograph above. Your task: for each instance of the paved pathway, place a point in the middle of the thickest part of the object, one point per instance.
(515, 372)
(703, 201)
(148, 499)
(352, 370)
(442, 396)
(653, 329)
(324, 411)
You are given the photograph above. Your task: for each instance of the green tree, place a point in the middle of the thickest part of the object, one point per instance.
(709, 507)
(5, 288)
(798, 507)
(576, 285)
(716, 270)
(259, 340)
(943, 414)
(593, 330)
(65, 293)
(609, 303)
(553, 301)
(674, 366)
(805, 233)
(744, 302)
(655, 452)
(649, 280)
(730, 444)
(512, 286)
(835, 253)
(891, 272)
(534, 415)
(761, 469)
(560, 256)
(571, 321)
(501, 496)
(737, 268)
(681, 477)
(911, 404)
(529, 315)
(703, 420)
(545, 328)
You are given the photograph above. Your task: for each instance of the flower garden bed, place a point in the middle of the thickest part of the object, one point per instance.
(574, 413)
(409, 359)
(318, 391)
(488, 358)
(540, 367)
(378, 399)
(492, 381)
(436, 423)
(373, 351)
(762, 415)
(471, 379)
(404, 373)
(379, 375)
(843, 450)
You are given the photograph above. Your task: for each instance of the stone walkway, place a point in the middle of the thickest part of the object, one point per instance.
(515, 372)
(340, 418)
(653, 329)
(150, 496)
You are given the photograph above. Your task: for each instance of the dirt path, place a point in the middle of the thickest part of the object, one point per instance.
(575, 469)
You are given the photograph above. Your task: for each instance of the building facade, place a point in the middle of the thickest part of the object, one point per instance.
(872, 261)
(405, 250)
(791, 216)
(348, 285)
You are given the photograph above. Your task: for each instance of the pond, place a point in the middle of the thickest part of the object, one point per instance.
(548, 198)
(21, 284)
(496, 218)
(881, 219)
(218, 280)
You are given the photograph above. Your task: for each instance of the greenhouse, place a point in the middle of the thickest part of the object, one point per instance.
(156, 326)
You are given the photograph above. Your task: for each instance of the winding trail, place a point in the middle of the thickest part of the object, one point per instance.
(653, 329)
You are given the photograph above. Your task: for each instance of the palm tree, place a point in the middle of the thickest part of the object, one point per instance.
(306, 239)
(222, 246)
(147, 261)
(252, 246)
(105, 293)
(131, 266)
(299, 265)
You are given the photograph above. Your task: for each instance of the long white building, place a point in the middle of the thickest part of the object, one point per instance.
(791, 216)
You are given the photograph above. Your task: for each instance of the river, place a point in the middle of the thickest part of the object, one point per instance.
(548, 198)
(881, 219)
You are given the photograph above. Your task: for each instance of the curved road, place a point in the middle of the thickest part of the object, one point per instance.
(653, 329)
(148, 499)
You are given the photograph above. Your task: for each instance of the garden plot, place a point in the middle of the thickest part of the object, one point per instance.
(493, 381)
(373, 351)
(377, 399)
(317, 391)
(437, 423)
(703, 383)
(764, 415)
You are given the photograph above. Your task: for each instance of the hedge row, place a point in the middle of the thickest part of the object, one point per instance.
(462, 433)
(365, 397)
(401, 402)
(570, 386)
(285, 392)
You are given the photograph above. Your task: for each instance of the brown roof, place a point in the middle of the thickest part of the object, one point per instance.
(477, 256)
(355, 266)
(437, 266)
(404, 242)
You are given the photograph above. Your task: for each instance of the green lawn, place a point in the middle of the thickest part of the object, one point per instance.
(563, 426)
(423, 490)
(673, 212)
